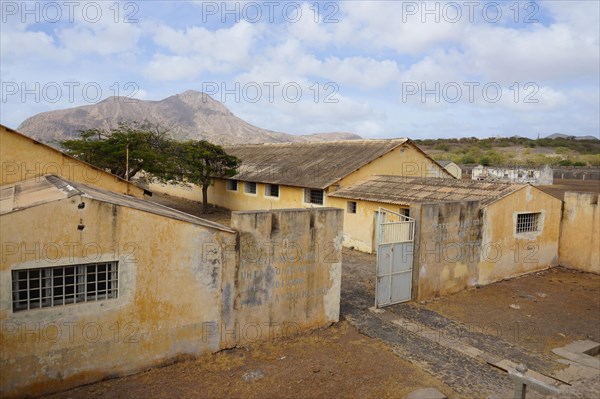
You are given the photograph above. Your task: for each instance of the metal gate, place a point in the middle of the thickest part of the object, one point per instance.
(394, 236)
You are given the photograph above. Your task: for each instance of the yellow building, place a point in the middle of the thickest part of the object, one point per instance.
(305, 175)
(23, 158)
(96, 284)
(468, 233)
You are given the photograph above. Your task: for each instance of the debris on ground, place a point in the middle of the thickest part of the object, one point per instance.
(253, 376)
(513, 306)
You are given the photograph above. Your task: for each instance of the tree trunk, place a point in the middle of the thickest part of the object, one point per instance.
(205, 198)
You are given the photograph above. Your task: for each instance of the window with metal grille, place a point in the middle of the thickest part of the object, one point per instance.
(63, 285)
(232, 185)
(527, 222)
(312, 196)
(271, 190)
(351, 207)
(405, 212)
(250, 187)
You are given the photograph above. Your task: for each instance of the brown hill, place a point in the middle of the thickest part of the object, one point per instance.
(189, 115)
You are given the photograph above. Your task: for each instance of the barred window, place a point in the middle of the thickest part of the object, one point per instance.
(232, 185)
(250, 187)
(351, 207)
(312, 196)
(527, 222)
(271, 190)
(63, 285)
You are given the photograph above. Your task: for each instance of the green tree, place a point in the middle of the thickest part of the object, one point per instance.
(199, 162)
(133, 147)
(124, 150)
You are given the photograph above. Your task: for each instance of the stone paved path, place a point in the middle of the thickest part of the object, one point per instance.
(452, 352)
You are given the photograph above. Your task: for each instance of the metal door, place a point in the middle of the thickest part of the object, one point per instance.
(395, 244)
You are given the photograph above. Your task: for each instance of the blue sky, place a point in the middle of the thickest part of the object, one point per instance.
(378, 69)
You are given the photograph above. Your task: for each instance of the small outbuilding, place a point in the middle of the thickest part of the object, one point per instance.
(466, 233)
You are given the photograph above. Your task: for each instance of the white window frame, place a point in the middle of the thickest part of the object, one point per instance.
(54, 286)
(247, 184)
(351, 207)
(533, 224)
(268, 190)
(231, 181)
(308, 195)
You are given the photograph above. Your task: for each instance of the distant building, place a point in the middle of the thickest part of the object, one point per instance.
(467, 233)
(452, 168)
(523, 175)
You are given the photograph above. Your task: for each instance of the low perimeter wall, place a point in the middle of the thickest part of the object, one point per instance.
(183, 289)
(579, 246)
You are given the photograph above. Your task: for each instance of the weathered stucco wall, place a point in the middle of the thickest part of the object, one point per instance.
(289, 274)
(168, 290)
(580, 233)
(447, 248)
(359, 227)
(406, 160)
(289, 197)
(461, 245)
(23, 158)
(184, 289)
(508, 254)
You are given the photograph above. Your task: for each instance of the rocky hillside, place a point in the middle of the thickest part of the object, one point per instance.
(189, 115)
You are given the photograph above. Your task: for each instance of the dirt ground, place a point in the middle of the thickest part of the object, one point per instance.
(554, 308)
(218, 215)
(561, 186)
(334, 363)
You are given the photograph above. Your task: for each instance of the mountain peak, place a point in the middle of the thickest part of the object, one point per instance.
(188, 115)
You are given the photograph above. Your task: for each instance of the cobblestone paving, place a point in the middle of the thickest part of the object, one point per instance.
(490, 344)
(469, 376)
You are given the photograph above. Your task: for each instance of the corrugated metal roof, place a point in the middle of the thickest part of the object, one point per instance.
(44, 189)
(444, 163)
(311, 164)
(406, 190)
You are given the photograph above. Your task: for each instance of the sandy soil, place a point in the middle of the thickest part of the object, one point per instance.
(555, 307)
(218, 215)
(334, 363)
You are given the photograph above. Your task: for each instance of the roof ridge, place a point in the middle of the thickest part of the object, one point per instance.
(319, 142)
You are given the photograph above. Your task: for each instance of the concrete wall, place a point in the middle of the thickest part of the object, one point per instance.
(23, 158)
(405, 160)
(359, 227)
(461, 245)
(167, 290)
(289, 273)
(525, 252)
(543, 176)
(580, 233)
(289, 197)
(447, 248)
(454, 170)
(184, 289)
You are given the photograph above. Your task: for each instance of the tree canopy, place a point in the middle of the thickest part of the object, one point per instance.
(133, 147)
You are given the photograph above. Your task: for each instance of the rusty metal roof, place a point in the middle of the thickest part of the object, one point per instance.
(40, 190)
(310, 164)
(406, 190)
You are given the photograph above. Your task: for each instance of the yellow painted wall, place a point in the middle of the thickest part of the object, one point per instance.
(289, 197)
(359, 227)
(405, 160)
(23, 158)
(519, 253)
(168, 289)
(580, 233)
(191, 192)
(461, 245)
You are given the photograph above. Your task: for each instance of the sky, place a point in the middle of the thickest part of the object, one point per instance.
(379, 69)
